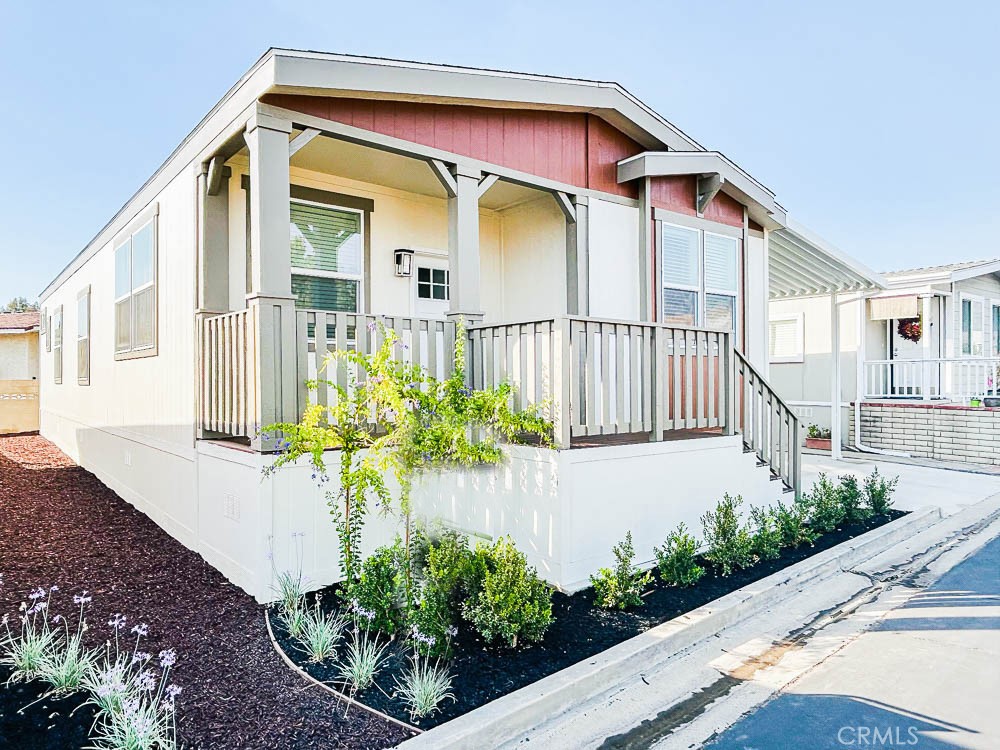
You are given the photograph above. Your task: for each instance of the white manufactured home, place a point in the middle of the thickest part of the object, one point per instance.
(603, 261)
(921, 358)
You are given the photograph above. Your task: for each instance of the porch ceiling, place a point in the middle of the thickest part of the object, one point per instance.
(802, 265)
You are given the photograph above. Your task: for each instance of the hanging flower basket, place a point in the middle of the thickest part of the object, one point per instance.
(909, 329)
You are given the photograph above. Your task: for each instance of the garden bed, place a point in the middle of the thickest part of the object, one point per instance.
(579, 630)
(30, 722)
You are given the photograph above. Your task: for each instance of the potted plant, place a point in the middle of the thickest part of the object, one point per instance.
(818, 437)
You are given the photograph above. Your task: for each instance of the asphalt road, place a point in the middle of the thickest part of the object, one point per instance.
(925, 676)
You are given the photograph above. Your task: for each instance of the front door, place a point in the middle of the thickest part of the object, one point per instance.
(432, 290)
(915, 371)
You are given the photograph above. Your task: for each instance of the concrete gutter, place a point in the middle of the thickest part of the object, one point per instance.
(511, 716)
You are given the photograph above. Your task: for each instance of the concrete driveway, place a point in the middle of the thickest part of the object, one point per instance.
(924, 676)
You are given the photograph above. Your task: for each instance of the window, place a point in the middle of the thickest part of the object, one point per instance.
(700, 277)
(57, 347)
(46, 329)
(135, 293)
(972, 327)
(432, 283)
(785, 339)
(996, 330)
(327, 246)
(83, 337)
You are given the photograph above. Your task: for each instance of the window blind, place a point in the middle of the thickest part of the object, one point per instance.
(321, 293)
(784, 339)
(679, 247)
(720, 263)
(326, 239)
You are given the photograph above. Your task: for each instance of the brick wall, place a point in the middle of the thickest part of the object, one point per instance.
(945, 433)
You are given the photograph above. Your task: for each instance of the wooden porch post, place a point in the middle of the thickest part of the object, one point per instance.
(578, 258)
(463, 244)
(270, 273)
(212, 267)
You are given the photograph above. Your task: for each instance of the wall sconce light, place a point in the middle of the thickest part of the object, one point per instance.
(404, 262)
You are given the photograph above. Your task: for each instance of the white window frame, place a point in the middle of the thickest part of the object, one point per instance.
(320, 274)
(83, 338)
(150, 218)
(800, 338)
(432, 283)
(58, 345)
(972, 299)
(994, 329)
(700, 289)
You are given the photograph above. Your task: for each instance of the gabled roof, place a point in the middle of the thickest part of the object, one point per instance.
(948, 272)
(19, 322)
(292, 71)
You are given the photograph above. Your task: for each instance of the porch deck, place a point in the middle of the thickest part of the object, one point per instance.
(601, 382)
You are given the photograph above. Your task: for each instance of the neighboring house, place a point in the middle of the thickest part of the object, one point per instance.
(18, 372)
(930, 344)
(604, 262)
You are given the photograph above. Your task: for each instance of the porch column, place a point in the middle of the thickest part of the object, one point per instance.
(928, 370)
(270, 290)
(578, 258)
(212, 262)
(648, 277)
(835, 450)
(463, 244)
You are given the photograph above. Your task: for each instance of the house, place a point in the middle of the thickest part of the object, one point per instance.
(602, 260)
(18, 372)
(920, 352)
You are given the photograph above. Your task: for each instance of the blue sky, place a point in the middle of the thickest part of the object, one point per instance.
(875, 123)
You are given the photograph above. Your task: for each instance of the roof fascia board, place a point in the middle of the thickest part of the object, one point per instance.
(303, 72)
(225, 119)
(972, 272)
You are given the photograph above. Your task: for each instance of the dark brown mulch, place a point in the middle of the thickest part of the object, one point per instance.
(60, 526)
(579, 630)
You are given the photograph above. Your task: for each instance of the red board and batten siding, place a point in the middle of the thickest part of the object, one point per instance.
(570, 147)
(678, 194)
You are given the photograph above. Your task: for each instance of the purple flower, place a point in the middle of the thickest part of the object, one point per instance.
(168, 657)
(117, 622)
(57, 618)
(140, 656)
(140, 630)
(173, 691)
(37, 594)
(146, 681)
(82, 598)
(54, 589)
(371, 325)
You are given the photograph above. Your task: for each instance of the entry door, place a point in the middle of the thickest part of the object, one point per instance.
(432, 288)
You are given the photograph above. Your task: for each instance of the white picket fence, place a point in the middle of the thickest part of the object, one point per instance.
(956, 379)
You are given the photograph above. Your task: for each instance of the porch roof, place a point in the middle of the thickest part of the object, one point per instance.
(804, 265)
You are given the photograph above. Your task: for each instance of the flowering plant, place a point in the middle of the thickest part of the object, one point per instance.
(909, 329)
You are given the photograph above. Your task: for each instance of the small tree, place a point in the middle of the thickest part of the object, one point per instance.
(20, 304)
(621, 587)
(397, 418)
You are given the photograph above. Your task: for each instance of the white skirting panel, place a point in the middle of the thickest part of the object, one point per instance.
(564, 509)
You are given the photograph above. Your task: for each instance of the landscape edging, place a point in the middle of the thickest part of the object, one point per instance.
(509, 716)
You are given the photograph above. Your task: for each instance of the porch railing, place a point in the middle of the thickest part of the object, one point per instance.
(229, 385)
(609, 377)
(769, 428)
(957, 379)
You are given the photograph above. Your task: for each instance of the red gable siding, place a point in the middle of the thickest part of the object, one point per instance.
(678, 194)
(570, 147)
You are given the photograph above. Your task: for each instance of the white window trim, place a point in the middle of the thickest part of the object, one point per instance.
(150, 350)
(321, 274)
(700, 289)
(972, 298)
(58, 344)
(84, 294)
(798, 318)
(994, 330)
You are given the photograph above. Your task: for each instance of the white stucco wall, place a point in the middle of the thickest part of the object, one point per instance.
(533, 245)
(614, 260)
(755, 270)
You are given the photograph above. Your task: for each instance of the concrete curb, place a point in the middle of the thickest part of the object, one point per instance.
(508, 717)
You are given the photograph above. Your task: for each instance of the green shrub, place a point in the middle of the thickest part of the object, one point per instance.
(765, 540)
(450, 573)
(729, 544)
(851, 500)
(510, 603)
(878, 492)
(792, 523)
(379, 589)
(677, 559)
(622, 586)
(823, 501)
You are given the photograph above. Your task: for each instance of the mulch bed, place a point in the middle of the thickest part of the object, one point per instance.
(60, 526)
(579, 630)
